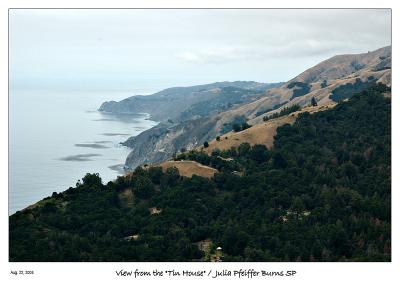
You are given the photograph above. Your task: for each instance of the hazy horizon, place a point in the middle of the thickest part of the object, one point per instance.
(155, 49)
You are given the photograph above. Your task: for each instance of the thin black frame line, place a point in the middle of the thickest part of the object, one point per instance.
(200, 8)
(236, 8)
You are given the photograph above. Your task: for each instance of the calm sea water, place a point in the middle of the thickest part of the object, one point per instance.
(56, 137)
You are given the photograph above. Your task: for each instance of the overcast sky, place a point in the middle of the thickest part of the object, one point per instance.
(130, 49)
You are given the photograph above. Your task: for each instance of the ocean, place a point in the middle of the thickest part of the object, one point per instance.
(56, 137)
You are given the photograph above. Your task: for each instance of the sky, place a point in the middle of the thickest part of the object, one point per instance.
(154, 49)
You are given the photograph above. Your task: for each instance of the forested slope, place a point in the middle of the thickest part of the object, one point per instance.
(322, 193)
(334, 79)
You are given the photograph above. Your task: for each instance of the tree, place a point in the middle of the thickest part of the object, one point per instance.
(205, 144)
(259, 153)
(234, 240)
(244, 149)
(245, 126)
(155, 174)
(218, 138)
(216, 152)
(297, 206)
(236, 127)
(240, 127)
(171, 176)
(92, 180)
(279, 160)
(314, 101)
(144, 188)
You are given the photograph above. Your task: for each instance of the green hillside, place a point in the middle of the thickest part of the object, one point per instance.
(323, 193)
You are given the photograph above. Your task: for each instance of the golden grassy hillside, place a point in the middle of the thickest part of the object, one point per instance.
(262, 133)
(188, 168)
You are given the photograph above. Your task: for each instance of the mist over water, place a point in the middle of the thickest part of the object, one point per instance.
(56, 137)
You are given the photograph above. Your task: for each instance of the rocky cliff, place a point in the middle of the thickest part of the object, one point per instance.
(183, 103)
(202, 119)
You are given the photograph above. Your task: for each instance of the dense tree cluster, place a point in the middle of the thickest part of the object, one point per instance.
(322, 193)
(265, 110)
(299, 88)
(240, 127)
(345, 91)
(285, 111)
(238, 120)
(218, 159)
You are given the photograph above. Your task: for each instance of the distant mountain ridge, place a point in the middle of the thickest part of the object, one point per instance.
(321, 81)
(182, 103)
(331, 80)
(341, 66)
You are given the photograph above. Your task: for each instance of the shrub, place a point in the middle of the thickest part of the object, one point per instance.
(241, 127)
(236, 128)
